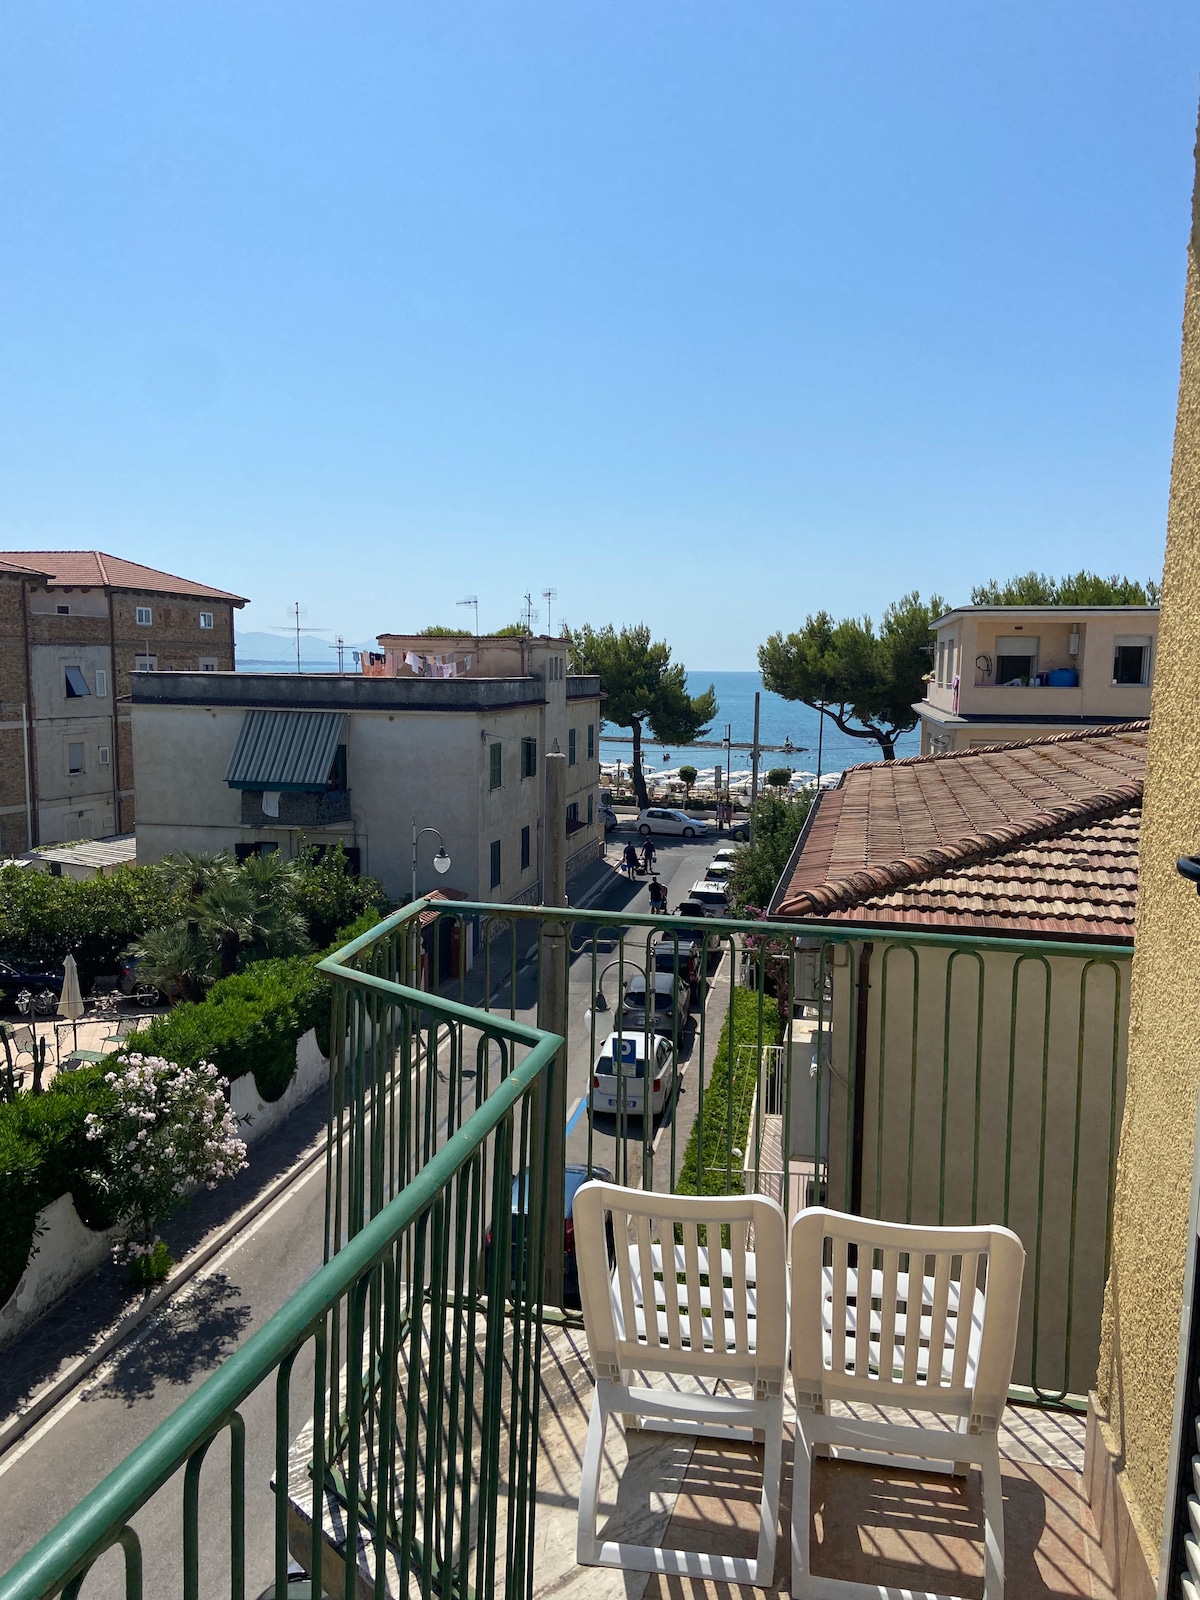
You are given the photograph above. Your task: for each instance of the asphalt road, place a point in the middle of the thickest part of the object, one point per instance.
(69, 1452)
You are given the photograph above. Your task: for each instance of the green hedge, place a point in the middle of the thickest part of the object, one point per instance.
(247, 1023)
(44, 1153)
(41, 917)
(704, 1165)
(251, 1021)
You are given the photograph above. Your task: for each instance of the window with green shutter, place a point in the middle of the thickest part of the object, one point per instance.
(495, 863)
(571, 748)
(529, 758)
(591, 741)
(496, 755)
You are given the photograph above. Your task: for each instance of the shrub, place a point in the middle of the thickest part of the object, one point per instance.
(42, 918)
(729, 1092)
(251, 1021)
(330, 898)
(44, 1153)
(163, 1131)
(757, 868)
(779, 777)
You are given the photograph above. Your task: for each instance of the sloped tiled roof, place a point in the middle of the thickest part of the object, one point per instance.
(92, 569)
(13, 569)
(1032, 838)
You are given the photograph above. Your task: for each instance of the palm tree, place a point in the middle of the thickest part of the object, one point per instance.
(191, 872)
(175, 960)
(251, 915)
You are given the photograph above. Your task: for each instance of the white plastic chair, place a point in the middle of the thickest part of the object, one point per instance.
(937, 1337)
(659, 1312)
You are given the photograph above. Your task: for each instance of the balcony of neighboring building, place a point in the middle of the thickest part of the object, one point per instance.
(327, 809)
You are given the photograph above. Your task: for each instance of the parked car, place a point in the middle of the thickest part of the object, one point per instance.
(141, 989)
(727, 852)
(693, 908)
(658, 819)
(576, 1177)
(714, 897)
(685, 957)
(718, 872)
(608, 817)
(739, 829)
(670, 1008)
(42, 983)
(619, 1076)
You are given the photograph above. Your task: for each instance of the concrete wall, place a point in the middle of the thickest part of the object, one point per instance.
(14, 693)
(401, 764)
(74, 805)
(1150, 1223)
(978, 1112)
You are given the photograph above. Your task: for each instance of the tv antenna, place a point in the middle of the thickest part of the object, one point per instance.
(549, 596)
(530, 614)
(298, 613)
(472, 600)
(341, 650)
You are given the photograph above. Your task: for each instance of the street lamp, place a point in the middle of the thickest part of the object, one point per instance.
(600, 1003)
(441, 861)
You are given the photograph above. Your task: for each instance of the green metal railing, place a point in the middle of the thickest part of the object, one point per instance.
(919, 1077)
(909, 1076)
(405, 1372)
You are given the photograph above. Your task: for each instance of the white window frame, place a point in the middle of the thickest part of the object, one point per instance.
(1129, 641)
(208, 664)
(75, 772)
(206, 619)
(104, 756)
(139, 663)
(101, 683)
(143, 616)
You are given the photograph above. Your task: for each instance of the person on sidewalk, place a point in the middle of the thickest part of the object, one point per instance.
(649, 856)
(631, 859)
(658, 896)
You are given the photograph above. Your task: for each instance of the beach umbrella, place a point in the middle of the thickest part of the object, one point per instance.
(70, 1002)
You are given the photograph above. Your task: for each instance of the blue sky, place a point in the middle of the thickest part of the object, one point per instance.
(706, 314)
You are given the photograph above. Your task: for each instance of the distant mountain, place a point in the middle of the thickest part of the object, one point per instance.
(279, 650)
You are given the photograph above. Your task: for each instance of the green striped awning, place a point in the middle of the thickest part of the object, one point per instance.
(291, 751)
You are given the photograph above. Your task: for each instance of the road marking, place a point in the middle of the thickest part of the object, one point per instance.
(101, 1373)
(577, 1111)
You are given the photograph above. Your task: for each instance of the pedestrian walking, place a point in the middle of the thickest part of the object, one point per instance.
(658, 895)
(631, 859)
(648, 856)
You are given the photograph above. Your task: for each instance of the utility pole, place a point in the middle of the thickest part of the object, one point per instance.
(551, 1119)
(820, 739)
(754, 760)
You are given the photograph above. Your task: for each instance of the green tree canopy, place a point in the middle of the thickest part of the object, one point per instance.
(865, 682)
(644, 688)
(1076, 589)
(436, 631)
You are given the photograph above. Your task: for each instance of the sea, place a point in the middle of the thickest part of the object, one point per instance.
(779, 721)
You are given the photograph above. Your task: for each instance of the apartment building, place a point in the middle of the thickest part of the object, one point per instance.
(1006, 673)
(269, 761)
(75, 627)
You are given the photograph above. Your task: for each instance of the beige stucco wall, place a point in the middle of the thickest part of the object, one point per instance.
(982, 1113)
(1142, 1307)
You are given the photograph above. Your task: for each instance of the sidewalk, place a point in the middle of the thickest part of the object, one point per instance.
(78, 1323)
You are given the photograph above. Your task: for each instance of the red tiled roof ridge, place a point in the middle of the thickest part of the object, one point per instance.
(172, 583)
(972, 849)
(1108, 731)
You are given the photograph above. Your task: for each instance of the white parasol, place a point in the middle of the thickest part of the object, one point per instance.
(70, 1001)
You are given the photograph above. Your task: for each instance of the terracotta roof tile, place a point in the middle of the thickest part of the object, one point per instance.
(1034, 837)
(92, 569)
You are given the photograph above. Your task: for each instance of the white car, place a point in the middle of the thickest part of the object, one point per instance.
(626, 1053)
(712, 896)
(658, 819)
(719, 872)
(727, 852)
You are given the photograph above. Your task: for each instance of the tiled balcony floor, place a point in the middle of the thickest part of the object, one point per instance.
(869, 1525)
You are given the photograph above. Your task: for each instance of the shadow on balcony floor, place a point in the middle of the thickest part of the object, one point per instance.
(869, 1525)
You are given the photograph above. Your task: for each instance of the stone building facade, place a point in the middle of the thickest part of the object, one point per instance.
(75, 627)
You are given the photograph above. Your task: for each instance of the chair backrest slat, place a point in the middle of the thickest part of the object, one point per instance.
(965, 1319)
(945, 1344)
(678, 1301)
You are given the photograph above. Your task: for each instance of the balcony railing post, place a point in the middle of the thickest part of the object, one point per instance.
(551, 1099)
